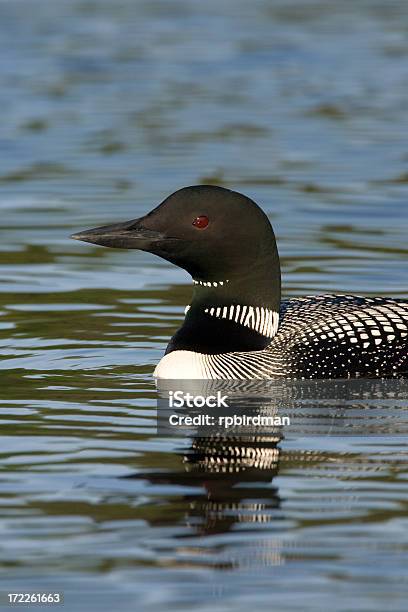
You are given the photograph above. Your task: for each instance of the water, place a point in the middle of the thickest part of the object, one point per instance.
(106, 108)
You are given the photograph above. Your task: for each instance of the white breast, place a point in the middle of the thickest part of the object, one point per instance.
(181, 365)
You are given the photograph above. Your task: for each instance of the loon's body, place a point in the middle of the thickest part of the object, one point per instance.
(326, 336)
(236, 326)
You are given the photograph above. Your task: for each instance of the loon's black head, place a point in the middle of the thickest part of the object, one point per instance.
(221, 237)
(211, 232)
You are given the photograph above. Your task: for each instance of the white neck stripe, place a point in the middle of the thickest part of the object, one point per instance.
(258, 318)
(210, 283)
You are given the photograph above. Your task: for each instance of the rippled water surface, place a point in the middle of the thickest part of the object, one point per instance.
(106, 108)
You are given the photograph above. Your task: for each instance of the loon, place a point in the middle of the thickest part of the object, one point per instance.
(236, 326)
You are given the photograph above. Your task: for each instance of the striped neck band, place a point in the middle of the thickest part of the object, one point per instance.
(260, 319)
(210, 283)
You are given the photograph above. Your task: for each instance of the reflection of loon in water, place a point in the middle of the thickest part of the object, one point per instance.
(229, 464)
(234, 473)
(236, 326)
(229, 479)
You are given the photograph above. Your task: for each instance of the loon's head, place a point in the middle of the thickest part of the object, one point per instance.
(211, 232)
(222, 238)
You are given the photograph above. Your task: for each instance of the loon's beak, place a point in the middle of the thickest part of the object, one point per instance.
(128, 235)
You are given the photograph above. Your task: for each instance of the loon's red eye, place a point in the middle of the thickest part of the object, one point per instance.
(201, 222)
